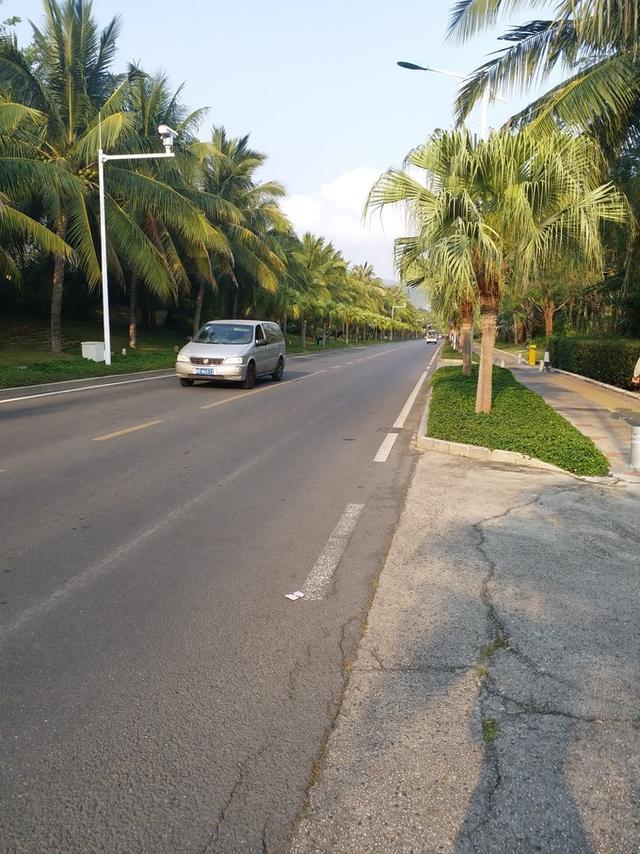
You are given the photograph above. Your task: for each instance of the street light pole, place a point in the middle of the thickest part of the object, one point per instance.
(167, 135)
(487, 96)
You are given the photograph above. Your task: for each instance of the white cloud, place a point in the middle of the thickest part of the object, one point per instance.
(335, 212)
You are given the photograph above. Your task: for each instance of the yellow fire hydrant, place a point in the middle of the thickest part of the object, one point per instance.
(532, 353)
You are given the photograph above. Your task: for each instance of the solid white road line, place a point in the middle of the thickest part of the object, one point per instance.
(406, 409)
(319, 579)
(85, 388)
(385, 448)
(389, 440)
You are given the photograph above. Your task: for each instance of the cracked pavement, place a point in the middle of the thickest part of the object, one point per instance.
(509, 598)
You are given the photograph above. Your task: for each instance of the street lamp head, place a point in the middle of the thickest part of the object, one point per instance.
(167, 135)
(413, 67)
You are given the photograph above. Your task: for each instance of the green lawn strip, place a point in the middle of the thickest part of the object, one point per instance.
(449, 353)
(76, 367)
(520, 420)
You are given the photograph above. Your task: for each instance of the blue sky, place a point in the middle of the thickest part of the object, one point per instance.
(315, 84)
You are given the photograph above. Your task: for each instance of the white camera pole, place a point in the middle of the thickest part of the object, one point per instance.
(167, 136)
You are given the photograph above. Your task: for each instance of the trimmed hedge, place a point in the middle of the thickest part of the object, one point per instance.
(609, 360)
(520, 421)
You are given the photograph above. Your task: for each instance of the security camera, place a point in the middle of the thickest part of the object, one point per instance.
(167, 135)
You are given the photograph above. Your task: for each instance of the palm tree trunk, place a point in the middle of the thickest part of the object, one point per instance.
(303, 333)
(57, 291)
(236, 294)
(485, 374)
(466, 312)
(284, 324)
(198, 309)
(548, 311)
(346, 333)
(133, 312)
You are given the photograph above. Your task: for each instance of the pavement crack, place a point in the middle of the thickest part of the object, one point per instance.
(426, 668)
(545, 710)
(224, 809)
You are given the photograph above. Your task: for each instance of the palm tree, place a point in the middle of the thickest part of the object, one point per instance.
(83, 104)
(496, 212)
(324, 271)
(596, 41)
(22, 179)
(245, 211)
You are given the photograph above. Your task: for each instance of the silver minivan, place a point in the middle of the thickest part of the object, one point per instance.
(233, 350)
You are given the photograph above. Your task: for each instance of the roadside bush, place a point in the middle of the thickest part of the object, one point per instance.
(609, 360)
(520, 421)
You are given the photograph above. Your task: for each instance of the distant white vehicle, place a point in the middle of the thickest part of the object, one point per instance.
(431, 337)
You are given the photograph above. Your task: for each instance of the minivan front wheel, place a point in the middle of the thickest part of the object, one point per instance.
(277, 374)
(250, 376)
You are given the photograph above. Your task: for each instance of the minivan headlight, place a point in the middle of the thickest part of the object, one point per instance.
(234, 360)
(182, 357)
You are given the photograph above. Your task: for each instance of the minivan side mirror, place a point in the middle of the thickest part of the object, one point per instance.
(260, 342)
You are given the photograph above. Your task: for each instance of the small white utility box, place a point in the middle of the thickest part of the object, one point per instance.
(93, 350)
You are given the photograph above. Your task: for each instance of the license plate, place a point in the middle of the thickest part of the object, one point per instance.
(205, 372)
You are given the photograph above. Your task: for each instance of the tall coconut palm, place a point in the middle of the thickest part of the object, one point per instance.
(246, 211)
(84, 104)
(324, 272)
(21, 180)
(498, 211)
(153, 103)
(597, 42)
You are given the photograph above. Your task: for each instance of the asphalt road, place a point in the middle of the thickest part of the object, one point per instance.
(159, 692)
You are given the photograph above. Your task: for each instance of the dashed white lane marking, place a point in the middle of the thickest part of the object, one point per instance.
(406, 409)
(385, 448)
(86, 388)
(319, 579)
(126, 430)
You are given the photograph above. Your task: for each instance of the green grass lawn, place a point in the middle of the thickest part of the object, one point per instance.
(520, 421)
(449, 353)
(25, 357)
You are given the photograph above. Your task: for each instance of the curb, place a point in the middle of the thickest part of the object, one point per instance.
(478, 452)
(632, 394)
(62, 385)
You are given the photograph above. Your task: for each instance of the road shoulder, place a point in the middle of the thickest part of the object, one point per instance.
(493, 703)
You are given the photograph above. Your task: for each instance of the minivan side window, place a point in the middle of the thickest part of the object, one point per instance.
(274, 336)
(259, 333)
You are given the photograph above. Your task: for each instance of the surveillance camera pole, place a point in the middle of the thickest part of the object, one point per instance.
(102, 159)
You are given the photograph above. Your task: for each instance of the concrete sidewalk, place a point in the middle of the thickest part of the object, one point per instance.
(494, 705)
(606, 416)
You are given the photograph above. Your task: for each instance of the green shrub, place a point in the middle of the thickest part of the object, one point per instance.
(520, 421)
(609, 360)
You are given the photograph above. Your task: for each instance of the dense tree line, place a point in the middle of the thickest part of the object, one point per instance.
(198, 234)
(537, 223)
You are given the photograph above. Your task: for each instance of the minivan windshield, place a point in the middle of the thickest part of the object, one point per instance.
(225, 333)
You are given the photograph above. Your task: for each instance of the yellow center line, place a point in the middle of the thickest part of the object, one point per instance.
(127, 430)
